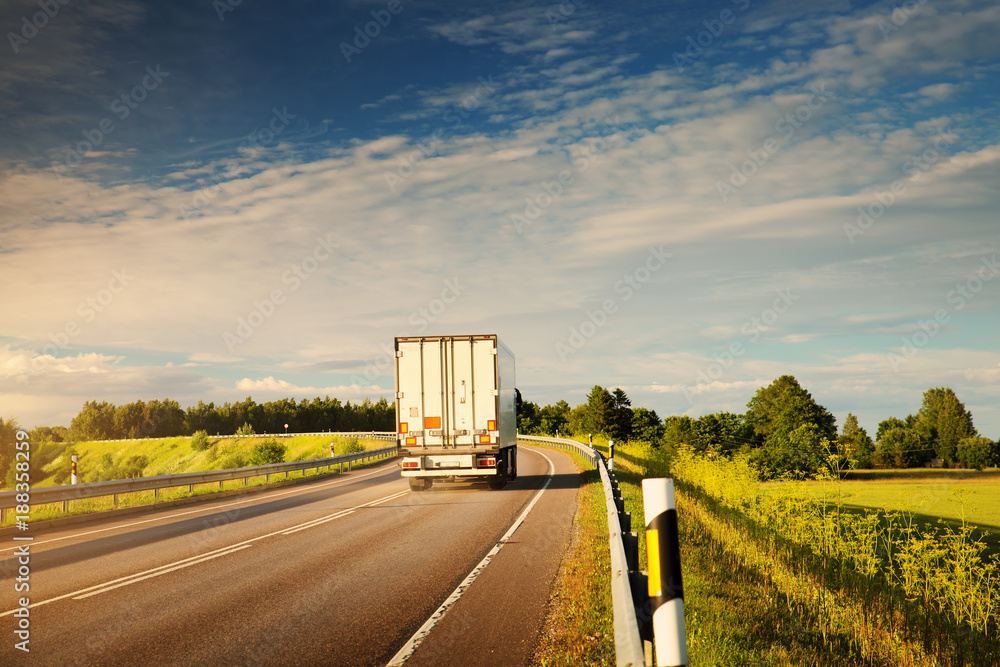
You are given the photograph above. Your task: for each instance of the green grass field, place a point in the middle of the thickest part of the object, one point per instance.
(929, 497)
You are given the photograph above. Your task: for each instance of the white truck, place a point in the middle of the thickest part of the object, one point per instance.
(456, 414)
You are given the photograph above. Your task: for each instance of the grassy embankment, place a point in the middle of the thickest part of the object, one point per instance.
(164, 456)
(790, 574)
(786, 573)
(579, 630)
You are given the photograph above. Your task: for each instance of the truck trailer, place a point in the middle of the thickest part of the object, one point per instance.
(456, 415)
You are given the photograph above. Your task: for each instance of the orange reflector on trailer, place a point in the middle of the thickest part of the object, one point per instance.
(491, 424)
(432, 422)
(404, 427)
(411, 441)
(484, 439)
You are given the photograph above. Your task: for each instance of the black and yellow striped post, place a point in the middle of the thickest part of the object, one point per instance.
(666, 591)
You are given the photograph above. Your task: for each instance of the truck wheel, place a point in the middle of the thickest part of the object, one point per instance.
(499, 480)
(513, 464)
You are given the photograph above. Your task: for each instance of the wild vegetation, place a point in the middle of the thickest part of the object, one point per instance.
(788, 561)
(101, 420)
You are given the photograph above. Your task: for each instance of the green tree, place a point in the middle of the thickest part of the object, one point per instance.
(577, 420)
(647, 426)
(899, 448)
(783, 406)
(800, 453)
(554, 418)
(886, 424)
(128, 420)
(783, 415)
(977, 452)
(528, 421)
(621, 416)
(722, 432)
(8, 447)
(162, 419)
(854, 441)
(680, 430)
(96, 421)
(599, 415)
(943, 422)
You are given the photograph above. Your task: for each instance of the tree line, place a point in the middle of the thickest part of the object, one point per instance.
(784, 431)
(154, 419)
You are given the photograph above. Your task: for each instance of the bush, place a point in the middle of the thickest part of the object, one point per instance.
(199, 441)
(130, 468)
(232, 460)
(348, 446)
(266, 452)
(246, 429)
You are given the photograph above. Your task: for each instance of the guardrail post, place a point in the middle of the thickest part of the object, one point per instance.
(65, 506)
(666, 590)
(156, 495)
(116, 500)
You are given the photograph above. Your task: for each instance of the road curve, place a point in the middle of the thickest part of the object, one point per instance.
(341, 571)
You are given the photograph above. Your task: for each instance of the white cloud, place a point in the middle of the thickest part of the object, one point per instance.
(653, 182)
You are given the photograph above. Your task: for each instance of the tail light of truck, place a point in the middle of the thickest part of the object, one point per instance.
(411, 464)
(486, 462)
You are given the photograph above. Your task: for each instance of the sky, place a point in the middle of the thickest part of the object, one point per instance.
(219, 199)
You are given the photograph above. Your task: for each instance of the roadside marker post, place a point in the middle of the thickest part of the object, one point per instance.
(666, 590)
(73, 478)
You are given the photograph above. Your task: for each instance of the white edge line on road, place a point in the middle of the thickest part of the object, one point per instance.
(410, 647)
(263, 496)
(191, 560)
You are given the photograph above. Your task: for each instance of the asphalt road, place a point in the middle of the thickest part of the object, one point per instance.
(343, 571)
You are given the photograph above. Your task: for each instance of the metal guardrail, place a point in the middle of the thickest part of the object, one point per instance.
(629, 649)
(373, 435)
(68, 492)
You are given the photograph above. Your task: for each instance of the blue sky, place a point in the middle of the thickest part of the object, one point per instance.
(213, 200)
